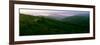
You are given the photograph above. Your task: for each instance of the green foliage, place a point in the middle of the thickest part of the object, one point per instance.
(39, 25)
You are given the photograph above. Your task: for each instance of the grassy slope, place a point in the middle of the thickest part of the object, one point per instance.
(81, 20)
(35, 25)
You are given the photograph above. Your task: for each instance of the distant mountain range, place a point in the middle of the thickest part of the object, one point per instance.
(61, 17)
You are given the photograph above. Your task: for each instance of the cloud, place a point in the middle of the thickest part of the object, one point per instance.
(38, 12)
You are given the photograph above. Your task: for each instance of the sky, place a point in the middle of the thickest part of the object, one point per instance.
(44, 12)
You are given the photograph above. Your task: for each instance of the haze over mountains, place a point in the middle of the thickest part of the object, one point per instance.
(54, 14)
(57, 14)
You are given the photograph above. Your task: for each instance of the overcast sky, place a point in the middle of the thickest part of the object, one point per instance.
(38, 12)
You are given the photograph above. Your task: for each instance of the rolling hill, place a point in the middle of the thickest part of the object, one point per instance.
(39, 25)
(79, 20)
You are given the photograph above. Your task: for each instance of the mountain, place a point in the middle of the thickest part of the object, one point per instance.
(39, 25)
(83, 14)
(56, 17)
(82, 19)
(61, 17)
